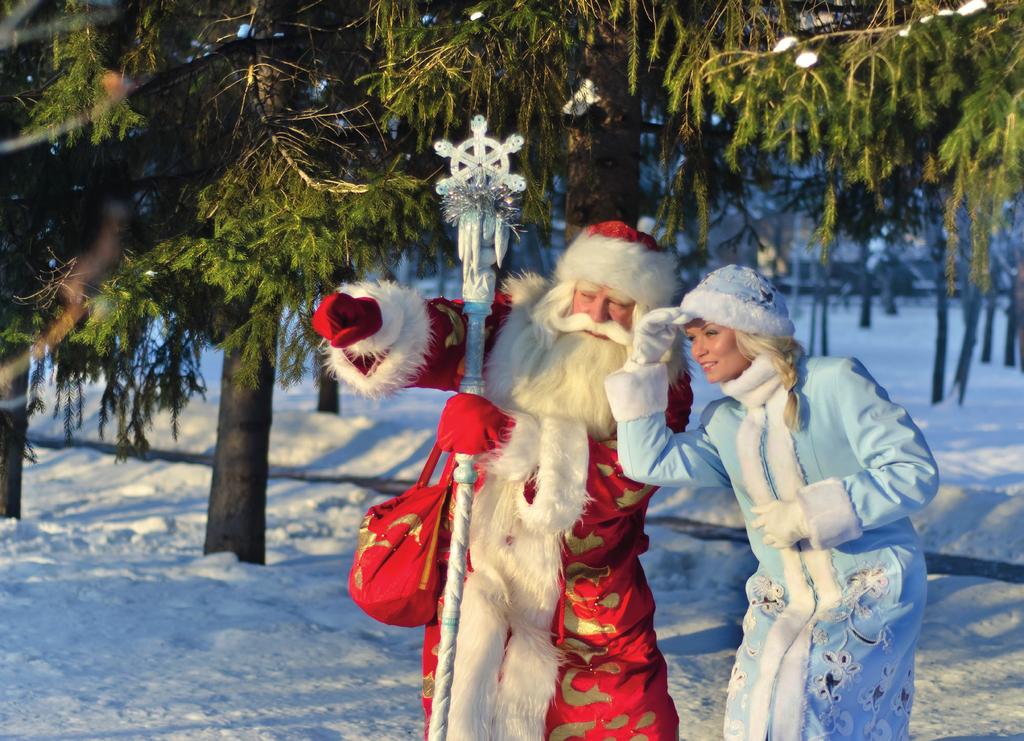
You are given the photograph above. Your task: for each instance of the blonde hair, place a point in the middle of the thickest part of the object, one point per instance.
(784, 352)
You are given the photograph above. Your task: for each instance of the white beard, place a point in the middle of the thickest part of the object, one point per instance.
(566, 379)
(544, 363)
(552, 380)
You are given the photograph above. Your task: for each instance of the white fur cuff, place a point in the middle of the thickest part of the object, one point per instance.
(397, 350)
(829, 512)
(638, 392)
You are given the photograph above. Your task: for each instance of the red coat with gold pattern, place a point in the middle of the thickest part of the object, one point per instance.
(557, 638)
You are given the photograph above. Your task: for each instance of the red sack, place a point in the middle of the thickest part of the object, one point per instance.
(396, 575)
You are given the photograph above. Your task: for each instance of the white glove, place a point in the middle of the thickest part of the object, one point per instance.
(654, 335)
(783, 523)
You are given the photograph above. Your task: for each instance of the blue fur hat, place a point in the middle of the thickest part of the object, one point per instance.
(739, 298)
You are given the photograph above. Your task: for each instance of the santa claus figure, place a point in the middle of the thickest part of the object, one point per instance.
(556, 639)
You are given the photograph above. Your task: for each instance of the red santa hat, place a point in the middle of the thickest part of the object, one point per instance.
(614, 254)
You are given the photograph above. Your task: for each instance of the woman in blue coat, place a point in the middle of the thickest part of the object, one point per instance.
(826, 470)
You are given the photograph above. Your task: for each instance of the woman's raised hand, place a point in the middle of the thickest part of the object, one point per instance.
(654, 334)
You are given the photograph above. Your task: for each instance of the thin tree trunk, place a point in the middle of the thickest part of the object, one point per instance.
(13, 431)
(986, 334)
(326, 388)
(794, 308)
(971, 298)
(1018, 302)
(1009, 356)
(236, 520)
(942, 328)
(824, 288)
(887, 271)
(604, 143)
(865, 288)
(442, 273)
(815, 300)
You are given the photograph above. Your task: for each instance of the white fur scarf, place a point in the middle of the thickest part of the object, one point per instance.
(514, 588)
(784, 653)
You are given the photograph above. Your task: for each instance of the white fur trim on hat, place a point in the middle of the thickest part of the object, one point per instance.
(646, 276)
(739, 298)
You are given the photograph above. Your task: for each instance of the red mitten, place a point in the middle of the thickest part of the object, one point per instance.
(344, 320)
(470, 424)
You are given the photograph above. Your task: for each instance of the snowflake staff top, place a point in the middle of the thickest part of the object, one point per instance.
(480, 198)
(486, 165)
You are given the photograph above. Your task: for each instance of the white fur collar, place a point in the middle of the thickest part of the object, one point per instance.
(754, 386)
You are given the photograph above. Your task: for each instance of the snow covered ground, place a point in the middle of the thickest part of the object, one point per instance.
(118, 627)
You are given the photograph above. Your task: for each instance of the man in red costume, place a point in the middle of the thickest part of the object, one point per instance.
(556, 639)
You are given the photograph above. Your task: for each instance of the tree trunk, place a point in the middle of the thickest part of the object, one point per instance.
(942, 324)
(865, 288)
(986, 334)
(971, 299)
(887, 271)
(604, 142)
(238, 492)
(1018, 302)
(794, 308)
(442, 273)
(815, 301)
(826, 270)
(1009, 357)
(326, 387)
(13, 431)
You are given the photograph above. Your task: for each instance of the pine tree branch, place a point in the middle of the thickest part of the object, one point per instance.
(171, 76)
(117, 89)
(327, 185)
(10, 37)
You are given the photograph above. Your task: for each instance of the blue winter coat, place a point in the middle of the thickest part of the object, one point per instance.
(832, 624)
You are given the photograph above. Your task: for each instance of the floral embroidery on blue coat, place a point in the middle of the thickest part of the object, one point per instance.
(832, 624)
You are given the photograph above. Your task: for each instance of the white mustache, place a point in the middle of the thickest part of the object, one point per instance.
(583, 323)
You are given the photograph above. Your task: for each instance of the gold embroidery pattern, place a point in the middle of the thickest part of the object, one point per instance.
(369, 539)
(582, 627)
(428, 686)
(579, 546)
(619, 721)
(573, 622)
(647, 719)
(458, 333)
(605, 470)
(579, 698)
(577, 571)
(632, 496)
(567, 731)
(415, 526)
(584, 650)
